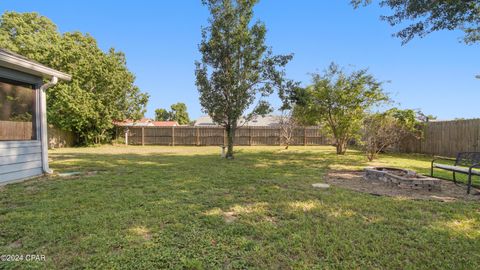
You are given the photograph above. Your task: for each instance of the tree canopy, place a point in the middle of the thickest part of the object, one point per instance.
(237, 69)
(427, 16)
(339, 101)
(178, 112)
(162, 114)
(102, 88)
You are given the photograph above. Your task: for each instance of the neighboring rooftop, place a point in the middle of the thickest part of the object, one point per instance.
(145, 122)
(258, 121)
(204, 120)
(165, 123)
(264, 121)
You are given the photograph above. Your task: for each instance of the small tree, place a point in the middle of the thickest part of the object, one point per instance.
(383, 130)
(288, 124)
(339, 101)
(237, 68)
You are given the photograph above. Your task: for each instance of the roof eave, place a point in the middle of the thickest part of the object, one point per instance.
(17, 63)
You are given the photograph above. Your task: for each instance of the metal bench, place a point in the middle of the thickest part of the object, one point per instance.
(466, 163)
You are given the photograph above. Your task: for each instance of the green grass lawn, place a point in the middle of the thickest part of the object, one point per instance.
(185, 207)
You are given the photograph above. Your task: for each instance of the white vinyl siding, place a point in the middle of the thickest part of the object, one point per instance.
(19, 160)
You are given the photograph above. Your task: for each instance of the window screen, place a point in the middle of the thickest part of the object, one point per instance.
(17, 111)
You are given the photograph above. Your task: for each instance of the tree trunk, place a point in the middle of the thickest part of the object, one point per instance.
(341, 147)
(230, 136)
(370, 155)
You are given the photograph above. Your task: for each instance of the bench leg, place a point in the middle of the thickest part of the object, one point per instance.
(469, 183)
(454, 178)
(431, 171)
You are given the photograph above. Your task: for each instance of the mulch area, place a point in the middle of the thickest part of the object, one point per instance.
(354, 180)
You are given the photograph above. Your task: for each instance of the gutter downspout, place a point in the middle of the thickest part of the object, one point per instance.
(43, 123)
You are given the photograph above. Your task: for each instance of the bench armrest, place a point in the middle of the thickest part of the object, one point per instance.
(476, 165)
(443, 158)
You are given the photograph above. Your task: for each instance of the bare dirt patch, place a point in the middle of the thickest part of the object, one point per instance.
(229, 217)
(76, 175)
(354, 180)
(142, 232)
(16, 244)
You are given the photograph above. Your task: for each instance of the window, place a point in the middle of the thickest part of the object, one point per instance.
(17, 111)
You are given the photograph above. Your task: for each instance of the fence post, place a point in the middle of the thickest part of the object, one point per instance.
(279, 136)
(304, 136)
(224, 136)
(198, 135)
(126, 136)
(173, 135)
(478, 138)
(250, 136)
(143, 136)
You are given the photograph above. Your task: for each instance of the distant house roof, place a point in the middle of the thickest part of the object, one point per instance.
(15, 61)
(204, 120)
(165, 123)
(264, 121)
(145, 122)
(258, 121)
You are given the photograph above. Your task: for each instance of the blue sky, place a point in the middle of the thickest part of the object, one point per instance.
(435, 74)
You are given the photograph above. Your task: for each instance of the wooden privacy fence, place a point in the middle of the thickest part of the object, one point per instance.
(446, 138)
(15, 131)
(218, 136)
(58, 138)
(22, 131)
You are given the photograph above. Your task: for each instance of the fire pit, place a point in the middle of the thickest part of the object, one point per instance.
(402, 178)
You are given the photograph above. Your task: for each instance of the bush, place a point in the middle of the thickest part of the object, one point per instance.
(383, 130)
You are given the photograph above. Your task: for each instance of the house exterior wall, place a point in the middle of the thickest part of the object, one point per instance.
(22, 159)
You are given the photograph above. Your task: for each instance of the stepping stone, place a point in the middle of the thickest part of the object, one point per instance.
(68, 174)
(321, 185)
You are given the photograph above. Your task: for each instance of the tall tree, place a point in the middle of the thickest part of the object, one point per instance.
(236, 66)
(162, 115)
(31, 35)
(427, 16)
(179, 113)
(339, 101)
(102, 88)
